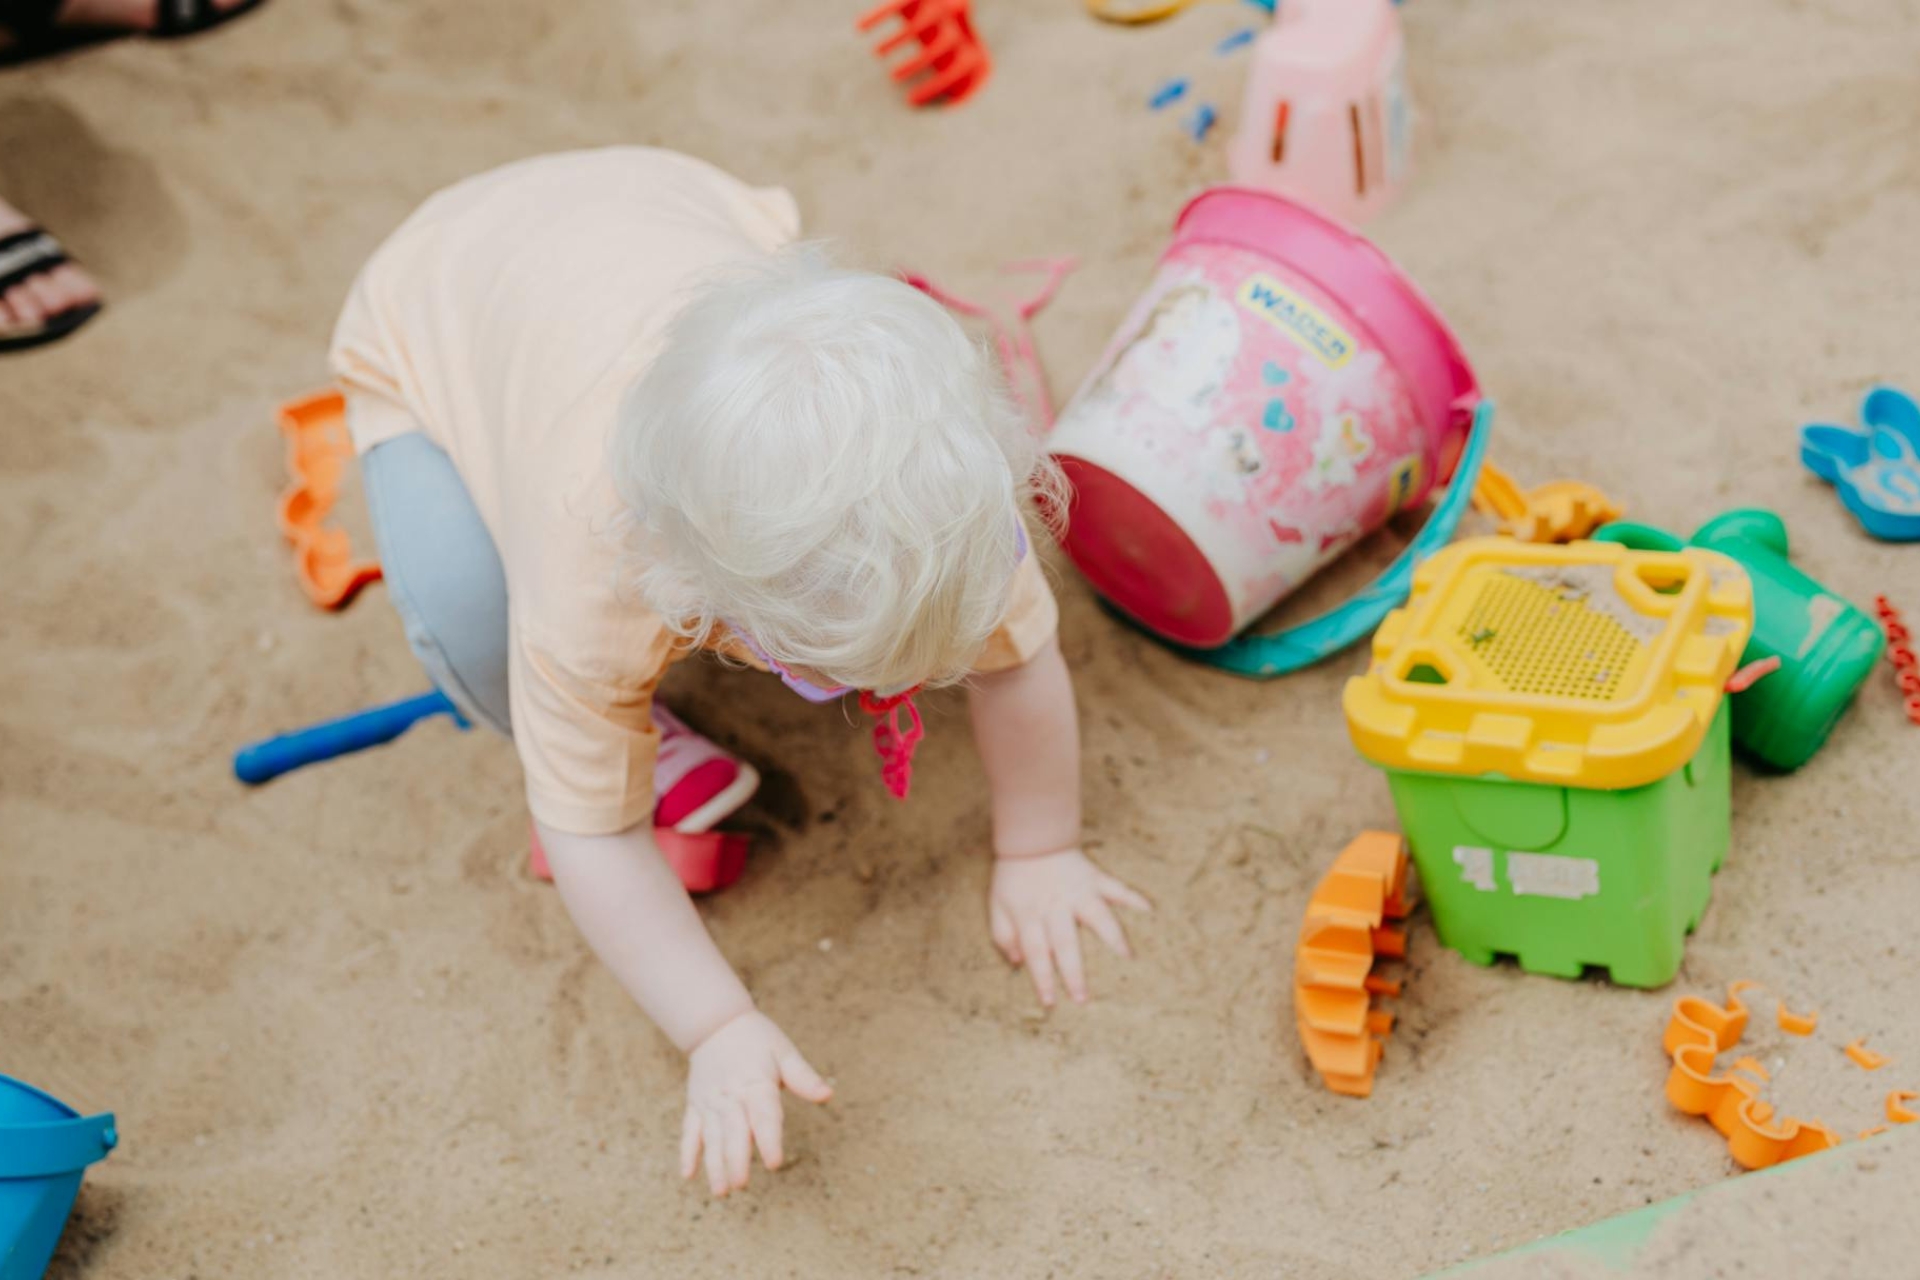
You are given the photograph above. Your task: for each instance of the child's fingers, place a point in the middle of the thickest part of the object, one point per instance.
(1005, 936)
(1063, 934)
(690, 1143)
(739, 1147)
(1113, 891)
(798, 1075)
(1099, 917)
(763, 1110)
(713, 1136)
(1038, 958)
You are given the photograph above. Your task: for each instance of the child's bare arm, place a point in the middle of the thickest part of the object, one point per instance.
(638, 919)
(1028, 734)
(1044, 888)
(640, 922)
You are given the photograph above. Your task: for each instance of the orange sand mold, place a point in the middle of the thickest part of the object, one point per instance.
(1344, 933)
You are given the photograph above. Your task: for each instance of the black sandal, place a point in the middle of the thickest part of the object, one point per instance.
(191, 17)
(24, 255)
(37, 35)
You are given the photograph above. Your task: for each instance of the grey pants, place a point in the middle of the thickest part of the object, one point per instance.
(443, 574)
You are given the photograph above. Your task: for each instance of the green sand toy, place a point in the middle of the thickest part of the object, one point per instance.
(1826, 646)
(1553, 728)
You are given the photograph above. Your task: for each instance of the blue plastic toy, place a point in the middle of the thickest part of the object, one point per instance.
(1238, 40)
(1876, 466)
(264, 761)
(45, 1148)
(1168, 94)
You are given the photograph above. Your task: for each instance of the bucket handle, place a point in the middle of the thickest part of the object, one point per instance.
(1264, 657)
(1638, 537)
(56, 1148)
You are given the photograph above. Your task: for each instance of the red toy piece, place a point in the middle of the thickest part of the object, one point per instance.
(952, 62)
(893, 739)
(1906, 668)
(1751, 674)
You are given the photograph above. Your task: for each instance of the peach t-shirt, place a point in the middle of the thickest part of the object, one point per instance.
(506, 319)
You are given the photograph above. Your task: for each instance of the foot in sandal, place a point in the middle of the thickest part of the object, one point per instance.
(32, 28)
(43, 294)
(699, 784)
(161, 17)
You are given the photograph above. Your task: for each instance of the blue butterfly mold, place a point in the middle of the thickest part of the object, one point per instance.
(1875, 466)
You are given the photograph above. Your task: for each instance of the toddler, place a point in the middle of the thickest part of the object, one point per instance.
(609, 414)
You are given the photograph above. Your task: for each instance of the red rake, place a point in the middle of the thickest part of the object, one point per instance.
(952, 62)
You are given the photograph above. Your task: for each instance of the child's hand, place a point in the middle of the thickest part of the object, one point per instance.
(733, 1099)
(1037, 905)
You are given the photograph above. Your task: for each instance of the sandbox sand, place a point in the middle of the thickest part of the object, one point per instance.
(347, 1036)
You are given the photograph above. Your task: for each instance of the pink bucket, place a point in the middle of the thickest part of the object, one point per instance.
(1277, 393)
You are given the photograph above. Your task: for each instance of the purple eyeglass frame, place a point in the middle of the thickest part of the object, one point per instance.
(806, 688)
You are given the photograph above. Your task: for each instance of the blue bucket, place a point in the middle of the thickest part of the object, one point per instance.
(45, 1148)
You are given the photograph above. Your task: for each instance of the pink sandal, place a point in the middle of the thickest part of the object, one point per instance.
(698, 786)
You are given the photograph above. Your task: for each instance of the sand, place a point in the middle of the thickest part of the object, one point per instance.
(1822, 1216)
(347, 1036)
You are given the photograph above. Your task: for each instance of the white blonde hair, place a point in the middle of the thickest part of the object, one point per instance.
(821, 458)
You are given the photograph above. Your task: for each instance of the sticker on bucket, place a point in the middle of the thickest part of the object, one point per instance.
(1530, 875)
(1476, 867)
(1552, 875)
(1409, 481)
(1299, 319)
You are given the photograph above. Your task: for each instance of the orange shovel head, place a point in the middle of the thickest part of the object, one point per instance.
(319, 451)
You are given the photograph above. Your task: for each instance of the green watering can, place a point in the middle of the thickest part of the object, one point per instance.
(1826, 646)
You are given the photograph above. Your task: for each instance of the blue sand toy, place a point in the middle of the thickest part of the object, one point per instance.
(1876, 466)
(1168, 94)
(264, 761)
(45, 1148)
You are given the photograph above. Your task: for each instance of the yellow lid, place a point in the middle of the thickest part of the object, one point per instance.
(1586, 665)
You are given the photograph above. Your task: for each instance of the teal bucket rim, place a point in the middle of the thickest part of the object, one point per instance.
(53, 1148)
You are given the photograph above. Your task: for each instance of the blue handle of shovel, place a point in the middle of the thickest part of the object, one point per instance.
(1264, 657)
(265, 761)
